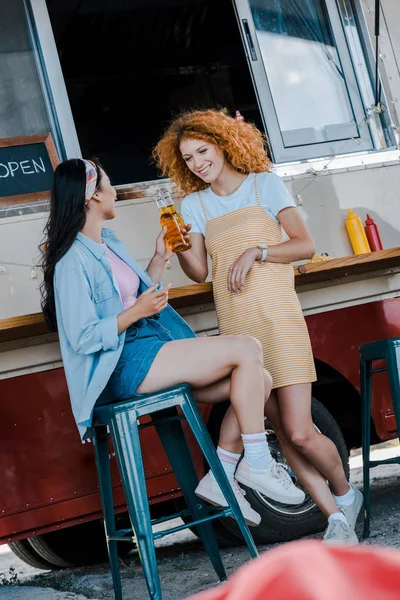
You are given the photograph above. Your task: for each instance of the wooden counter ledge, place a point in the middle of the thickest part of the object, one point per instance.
(16, 328)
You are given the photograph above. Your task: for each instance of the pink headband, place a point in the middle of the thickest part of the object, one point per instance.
(91, 179)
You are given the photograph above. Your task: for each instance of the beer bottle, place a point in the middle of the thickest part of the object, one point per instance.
(172, 220)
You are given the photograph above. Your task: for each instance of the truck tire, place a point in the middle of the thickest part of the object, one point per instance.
(76, 546)
(25, 552)
(282, 522)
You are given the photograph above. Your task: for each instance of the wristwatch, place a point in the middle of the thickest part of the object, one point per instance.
(264, 252)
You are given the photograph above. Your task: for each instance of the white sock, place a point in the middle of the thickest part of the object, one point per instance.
(346, 499)
(229, 462)
(256, 451)
(339, 516)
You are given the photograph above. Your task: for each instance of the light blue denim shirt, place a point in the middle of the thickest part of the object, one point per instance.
(87, 304)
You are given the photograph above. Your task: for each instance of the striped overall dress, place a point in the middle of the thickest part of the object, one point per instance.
(268, 307)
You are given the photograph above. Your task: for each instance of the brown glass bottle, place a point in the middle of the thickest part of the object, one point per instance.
(172, 220)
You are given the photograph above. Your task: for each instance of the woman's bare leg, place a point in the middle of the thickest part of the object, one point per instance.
(309, 477)
(295, 410)
(230, 438)
(203, 361)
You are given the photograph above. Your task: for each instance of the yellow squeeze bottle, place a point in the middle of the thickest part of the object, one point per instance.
(357, 234)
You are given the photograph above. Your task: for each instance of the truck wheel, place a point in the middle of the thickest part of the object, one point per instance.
(281, 522)
(25, 552)
(76, 546)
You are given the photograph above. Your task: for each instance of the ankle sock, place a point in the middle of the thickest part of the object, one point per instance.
(229, 462)
(339, 516)
(346, 499)
(256, 451)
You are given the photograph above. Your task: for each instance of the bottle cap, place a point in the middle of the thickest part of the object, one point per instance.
(351, 214)
(369, 220)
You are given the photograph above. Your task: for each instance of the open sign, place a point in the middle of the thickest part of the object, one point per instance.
(27, 165)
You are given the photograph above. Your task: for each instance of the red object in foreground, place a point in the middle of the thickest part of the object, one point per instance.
(372, 231)
(311, 570)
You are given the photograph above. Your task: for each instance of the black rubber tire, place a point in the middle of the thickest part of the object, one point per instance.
(25, 552)
(77, 546)
(275, 526)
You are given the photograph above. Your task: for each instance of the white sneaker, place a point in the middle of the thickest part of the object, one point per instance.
(340, 533)
(209, 490)
(273, 481)
(352, 511)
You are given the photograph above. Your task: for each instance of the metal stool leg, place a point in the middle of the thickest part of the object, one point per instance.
(100, 443)
(202, 436)
(366, 388)
(175, 445)
(125, 437)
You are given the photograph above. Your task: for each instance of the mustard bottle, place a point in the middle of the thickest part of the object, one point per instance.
(357, 233)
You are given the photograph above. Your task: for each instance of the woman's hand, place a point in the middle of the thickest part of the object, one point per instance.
(163, 251)
(239, 269)
(151, 302)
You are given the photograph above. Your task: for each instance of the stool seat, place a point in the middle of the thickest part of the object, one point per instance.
(118, 421)
(389, 350)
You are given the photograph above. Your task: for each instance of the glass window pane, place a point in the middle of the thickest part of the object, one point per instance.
(304, 72)
(22, 107)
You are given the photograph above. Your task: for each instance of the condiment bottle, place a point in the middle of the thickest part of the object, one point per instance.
(172, 220)
(372, 231)
(357, 235)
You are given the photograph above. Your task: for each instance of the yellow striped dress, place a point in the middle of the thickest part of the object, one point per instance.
(268, 307)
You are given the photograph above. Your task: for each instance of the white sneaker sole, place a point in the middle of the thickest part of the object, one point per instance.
(263, 489)
(251, 521)
(353, 541)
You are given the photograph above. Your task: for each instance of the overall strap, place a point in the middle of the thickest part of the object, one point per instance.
(203, 207)
(256, 190)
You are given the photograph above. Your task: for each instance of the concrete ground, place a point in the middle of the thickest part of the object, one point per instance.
(183, 566)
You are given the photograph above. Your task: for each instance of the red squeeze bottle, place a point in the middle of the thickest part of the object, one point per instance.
(373, 236)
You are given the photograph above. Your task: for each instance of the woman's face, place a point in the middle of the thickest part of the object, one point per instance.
(204, 159)
(107, 195)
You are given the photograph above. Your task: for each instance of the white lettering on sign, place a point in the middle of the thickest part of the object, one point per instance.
(7, 172)
(24, 168)
(28, 167)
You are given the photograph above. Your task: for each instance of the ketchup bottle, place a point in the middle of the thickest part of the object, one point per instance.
(373, 236)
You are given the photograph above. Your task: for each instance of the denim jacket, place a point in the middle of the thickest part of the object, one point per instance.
(87, 303)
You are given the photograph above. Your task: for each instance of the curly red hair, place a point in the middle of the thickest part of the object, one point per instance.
(244, 146)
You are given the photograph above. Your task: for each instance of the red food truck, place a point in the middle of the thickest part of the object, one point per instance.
(302, 71)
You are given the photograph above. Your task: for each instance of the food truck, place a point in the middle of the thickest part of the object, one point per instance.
(82, 78)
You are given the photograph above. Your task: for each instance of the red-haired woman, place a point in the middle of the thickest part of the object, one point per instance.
(237, 209)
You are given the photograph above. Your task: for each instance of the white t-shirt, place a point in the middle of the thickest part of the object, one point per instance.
(273, 194)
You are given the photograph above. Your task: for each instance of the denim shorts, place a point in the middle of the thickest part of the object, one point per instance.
(142, 343)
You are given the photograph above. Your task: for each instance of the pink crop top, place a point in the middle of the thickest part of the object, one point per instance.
(127, 280)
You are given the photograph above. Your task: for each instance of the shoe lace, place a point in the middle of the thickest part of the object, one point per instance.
(280, 473)
(239, 493)
(335, 527)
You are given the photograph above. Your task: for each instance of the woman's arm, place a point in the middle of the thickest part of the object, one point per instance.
(85, 331)
(194, 261)
(299, 246)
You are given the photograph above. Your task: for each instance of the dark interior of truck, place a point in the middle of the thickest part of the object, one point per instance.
(131, 65)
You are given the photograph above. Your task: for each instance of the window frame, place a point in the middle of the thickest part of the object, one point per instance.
(370, 133)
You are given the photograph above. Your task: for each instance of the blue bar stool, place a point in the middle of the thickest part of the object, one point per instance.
(390, 351)
(119, 422)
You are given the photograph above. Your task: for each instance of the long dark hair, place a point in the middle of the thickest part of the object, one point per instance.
(67, 217)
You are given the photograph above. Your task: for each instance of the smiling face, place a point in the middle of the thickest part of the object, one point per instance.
(204, 159)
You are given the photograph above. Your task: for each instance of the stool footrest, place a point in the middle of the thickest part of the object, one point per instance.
(384, 461)
(223, 513)
(127, 535)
